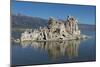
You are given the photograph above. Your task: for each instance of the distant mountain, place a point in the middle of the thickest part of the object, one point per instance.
(87, 27)
(22, 21)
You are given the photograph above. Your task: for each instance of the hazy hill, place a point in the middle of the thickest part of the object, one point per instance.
(22, 21)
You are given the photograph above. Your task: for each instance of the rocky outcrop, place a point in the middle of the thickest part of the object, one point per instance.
(55, 31)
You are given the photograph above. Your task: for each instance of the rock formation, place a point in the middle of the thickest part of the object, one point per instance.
(55, 31)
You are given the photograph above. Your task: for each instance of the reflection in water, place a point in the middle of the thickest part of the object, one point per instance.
(56, 49)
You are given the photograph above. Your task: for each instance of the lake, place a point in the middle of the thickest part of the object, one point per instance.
(33, 53)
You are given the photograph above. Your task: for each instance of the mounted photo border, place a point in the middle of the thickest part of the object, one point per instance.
(54, 3)
(79, 2)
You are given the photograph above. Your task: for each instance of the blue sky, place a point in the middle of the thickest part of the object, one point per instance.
(85, 14)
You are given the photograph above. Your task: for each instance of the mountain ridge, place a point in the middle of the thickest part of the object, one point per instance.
(23, 21)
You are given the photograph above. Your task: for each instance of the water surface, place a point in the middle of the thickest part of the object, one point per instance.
(32, 53)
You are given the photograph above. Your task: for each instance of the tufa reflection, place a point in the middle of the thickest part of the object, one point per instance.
(56, 49)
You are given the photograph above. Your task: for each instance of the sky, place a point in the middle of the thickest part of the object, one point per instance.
(84, 14)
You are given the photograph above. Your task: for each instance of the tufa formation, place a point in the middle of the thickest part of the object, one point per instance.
(55, 31)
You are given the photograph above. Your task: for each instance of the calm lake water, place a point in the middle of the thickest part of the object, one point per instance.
(33, 53)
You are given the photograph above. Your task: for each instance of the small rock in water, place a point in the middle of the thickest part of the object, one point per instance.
(17, 40)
